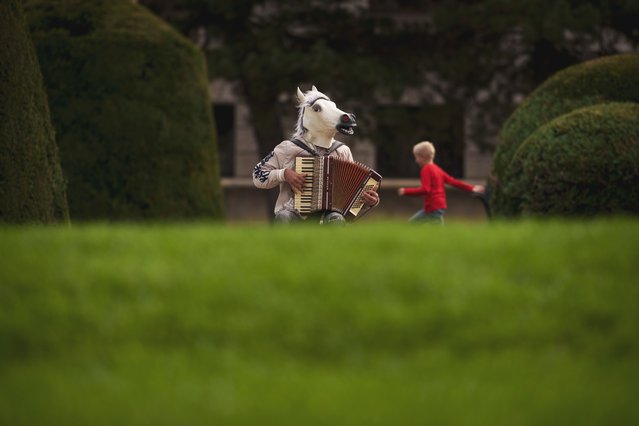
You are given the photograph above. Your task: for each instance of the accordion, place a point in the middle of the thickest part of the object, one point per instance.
(334, 184)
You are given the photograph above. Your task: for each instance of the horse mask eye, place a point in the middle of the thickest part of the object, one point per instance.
(317, 108)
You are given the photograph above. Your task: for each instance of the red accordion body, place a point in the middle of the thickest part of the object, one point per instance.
(334, 184)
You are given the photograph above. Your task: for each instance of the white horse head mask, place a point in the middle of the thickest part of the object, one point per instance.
(319, 119)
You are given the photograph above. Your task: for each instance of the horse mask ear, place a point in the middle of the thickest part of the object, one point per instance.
(315, 89)
(300, 96)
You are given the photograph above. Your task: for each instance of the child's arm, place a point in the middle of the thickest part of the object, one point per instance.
(421, 190)
(412, 191)
(458, 183)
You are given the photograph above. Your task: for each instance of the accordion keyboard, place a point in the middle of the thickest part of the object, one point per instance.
(304, 201)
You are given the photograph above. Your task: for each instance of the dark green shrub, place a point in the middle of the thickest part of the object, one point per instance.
(580, 164)
(129, 102)
(609, 79)
(32, 188)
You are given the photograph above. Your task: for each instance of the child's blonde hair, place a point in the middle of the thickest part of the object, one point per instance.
(424, 149)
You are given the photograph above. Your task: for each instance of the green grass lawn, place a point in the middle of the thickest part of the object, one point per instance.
(529, 323)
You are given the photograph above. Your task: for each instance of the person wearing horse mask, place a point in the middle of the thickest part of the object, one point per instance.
(318, 121)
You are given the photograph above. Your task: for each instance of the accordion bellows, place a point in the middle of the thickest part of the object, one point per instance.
(334, 184)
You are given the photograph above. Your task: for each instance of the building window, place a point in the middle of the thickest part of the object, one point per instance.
(399, 128)
(225, 124)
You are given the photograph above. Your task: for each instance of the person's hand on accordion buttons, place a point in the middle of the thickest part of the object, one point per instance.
(296, 180)
(371, 198)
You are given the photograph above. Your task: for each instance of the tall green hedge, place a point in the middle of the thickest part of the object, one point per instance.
(583, 163)
(596, 82)
(32, 187)
(129, 101)
(609, 79)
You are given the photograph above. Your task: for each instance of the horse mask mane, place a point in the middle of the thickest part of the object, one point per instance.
(319, 119)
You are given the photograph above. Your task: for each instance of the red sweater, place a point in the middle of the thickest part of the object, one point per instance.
(433, 180)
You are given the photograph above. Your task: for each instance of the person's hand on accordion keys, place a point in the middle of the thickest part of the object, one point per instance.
(296, 180)
(371, 198)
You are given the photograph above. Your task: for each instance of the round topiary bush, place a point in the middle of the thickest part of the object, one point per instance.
(129, 102)
(32, 188)
(580, 164)
(609, 79)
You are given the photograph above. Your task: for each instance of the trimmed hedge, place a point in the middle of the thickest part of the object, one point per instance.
(580, 164)
(609, 79)
(129, 100)
(32, 187)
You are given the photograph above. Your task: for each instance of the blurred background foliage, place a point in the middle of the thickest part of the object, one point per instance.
(572, 147)
(32, 187)
(484, 54)
(584, 163)
(611, 79)
(129, 95)
(129, 101)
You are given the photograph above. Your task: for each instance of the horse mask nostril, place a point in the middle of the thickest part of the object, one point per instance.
(346, 118)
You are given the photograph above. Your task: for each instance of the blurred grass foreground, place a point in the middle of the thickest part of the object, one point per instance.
(533, 323)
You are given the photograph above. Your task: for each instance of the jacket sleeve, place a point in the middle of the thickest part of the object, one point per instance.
(422, 190)
(269, 172)
(346, 153)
